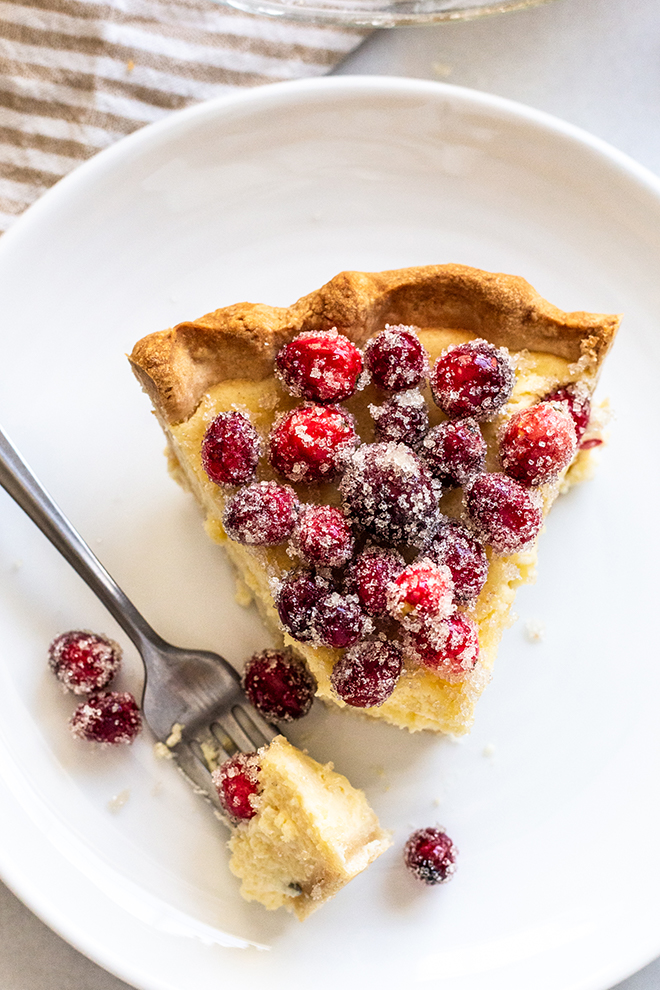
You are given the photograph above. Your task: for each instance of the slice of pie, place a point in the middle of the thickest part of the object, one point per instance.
(377, 461)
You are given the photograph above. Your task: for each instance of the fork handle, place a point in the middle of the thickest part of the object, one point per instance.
(19, 482)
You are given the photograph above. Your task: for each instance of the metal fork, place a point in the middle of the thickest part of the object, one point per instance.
(193, 692)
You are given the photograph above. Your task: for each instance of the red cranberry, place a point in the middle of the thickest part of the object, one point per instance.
(396, 359)
(465, 557)
(449, 647)
(367, 674)
(321, 367)
(370, 575)
(323, 536)
(230, 449)
(579, 406)
(84, 661)
(296, 602)
(402, 419)
(310, 443)
(504, 513)
(108, 717)
(423, 588)
(454, 451)
(431, 855)
(278, 685)
(263, 514)
(237, 783)
(388, 492)
(538, 443)
(339, 621)
(474, 379)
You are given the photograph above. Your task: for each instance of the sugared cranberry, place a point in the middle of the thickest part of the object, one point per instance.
(423, 588)
(263, 514)
(402, 419)
(84, 661)
(339, 621)
(230, 449)
(389, 493)
(370, 575)
(320, 367)
(237, 783)
(465, 557)
(278, 685)
(504, 513)
(310, 443)
(108, 717)
(367, 674)
(579, 406)
(538, 443)
(431, 855)
(449, 647)
(395, 359)
(454, 451)
(323, 537)
(296, 602)
(474, 379)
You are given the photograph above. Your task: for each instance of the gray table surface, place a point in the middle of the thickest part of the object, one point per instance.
(595, 63)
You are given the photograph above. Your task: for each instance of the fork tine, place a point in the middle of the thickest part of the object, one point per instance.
(232, 727)
(255, 725)
(196, 772)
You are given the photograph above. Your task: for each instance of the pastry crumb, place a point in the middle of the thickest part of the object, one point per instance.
(162, 752)
(117, 802)
(534, 630)
(175, 735)
(488, 750)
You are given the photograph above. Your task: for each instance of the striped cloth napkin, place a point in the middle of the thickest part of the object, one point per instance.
(76, 75)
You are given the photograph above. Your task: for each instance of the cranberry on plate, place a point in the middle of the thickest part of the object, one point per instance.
(395, 359)
(237, 783)
(321, 366)
(430, 855)
(366, 675)
(111, 717)
(84, 661)
(230, 449)
(474, 379)
(278, 685)
(310, 443)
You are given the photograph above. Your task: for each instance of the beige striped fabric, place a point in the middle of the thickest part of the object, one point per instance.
(76, 75)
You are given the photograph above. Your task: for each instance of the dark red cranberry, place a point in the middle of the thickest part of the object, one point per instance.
(108, 717)
(402, 419)
(323, 537)
(395, 359)
(503, 512)
(339, 621)
(538, 443)
(370, 576)
(454, 451)
(320, 367)
(449, 647)
(310, 443)
(474, 379)
(579, 406)
(278, 685)
(263, 514)
(237, 783)
(465, 557)
(84, 661)
(230, 449)
(296, 602)
(431, 855)
(367, 674)
(389, 493)
(423, 588)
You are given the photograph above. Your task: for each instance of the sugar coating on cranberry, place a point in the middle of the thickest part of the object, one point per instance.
(237, 783)
(296, 601)
(423, 589)
(474, 379)
(323, 536)
(430, 855)
(320, 366)
(311, 442)
(84, 661)
(262, 514)
(456, 547)
(450, 647)
(402, 419)
(367, 674)
(454, 451)
(111, 717)
(230, 449)
(389, 493)
(537, 443)
(578, 400)
(278, 685)
(505, 514)
(338, 620)
(371, 574)
(395, 359)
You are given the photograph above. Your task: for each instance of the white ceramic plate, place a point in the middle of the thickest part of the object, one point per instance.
(553, 800)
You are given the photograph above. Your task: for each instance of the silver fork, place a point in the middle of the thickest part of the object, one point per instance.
(193, 694)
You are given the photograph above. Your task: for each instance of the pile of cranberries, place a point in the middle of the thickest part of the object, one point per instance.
(386, 558)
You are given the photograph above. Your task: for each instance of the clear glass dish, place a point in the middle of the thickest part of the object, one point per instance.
(380, 13)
